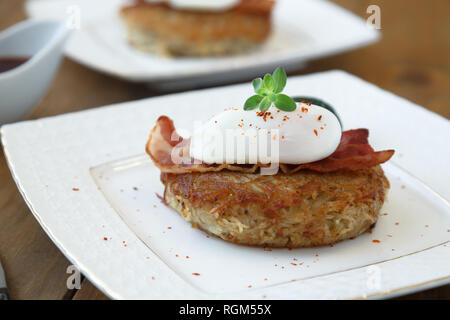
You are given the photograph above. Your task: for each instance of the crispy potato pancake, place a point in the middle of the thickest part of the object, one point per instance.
(158, 28)
(302, 209)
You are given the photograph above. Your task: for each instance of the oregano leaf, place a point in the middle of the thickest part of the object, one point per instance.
(279, 76)
(257, 84)
(285, 103)
(252, 102)
(265, 104)
(268, 82)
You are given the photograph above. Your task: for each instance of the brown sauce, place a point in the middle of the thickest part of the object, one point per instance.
(10, 62)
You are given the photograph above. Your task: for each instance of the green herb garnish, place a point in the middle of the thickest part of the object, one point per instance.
(268, 92)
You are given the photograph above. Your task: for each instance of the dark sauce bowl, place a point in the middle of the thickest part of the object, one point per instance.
(319, 103)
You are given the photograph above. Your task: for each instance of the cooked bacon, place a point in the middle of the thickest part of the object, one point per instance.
(353, 153)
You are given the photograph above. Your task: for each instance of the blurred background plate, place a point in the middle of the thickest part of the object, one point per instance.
(303, 30)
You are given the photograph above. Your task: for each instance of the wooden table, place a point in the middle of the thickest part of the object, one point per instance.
(412, 60)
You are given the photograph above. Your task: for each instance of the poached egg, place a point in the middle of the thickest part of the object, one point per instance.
(235, 136)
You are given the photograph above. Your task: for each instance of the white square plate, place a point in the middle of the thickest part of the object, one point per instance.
(132, 187)
(145, 254)
(303, 30)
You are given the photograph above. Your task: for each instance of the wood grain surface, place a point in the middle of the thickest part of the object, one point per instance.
(412, 60)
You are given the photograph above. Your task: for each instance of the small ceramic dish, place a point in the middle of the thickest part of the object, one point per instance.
(22, 87)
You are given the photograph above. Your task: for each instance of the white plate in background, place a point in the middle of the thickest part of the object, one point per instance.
(85, 150)
(303, 30)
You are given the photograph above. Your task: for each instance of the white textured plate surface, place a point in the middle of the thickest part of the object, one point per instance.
(303, 29)
(132, 187)
(51, 156)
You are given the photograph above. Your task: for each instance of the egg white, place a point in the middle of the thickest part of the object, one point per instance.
(235, 136)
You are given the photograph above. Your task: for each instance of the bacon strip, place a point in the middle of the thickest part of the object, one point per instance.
(353, 153)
